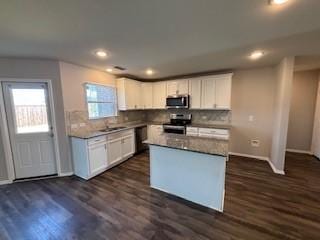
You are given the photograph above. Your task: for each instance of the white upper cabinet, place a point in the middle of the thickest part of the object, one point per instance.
(159, 95)
(177, 87)
(195, 93)
(216, 92)
(129, 94)
(208, 93)
(146, 93)
(223, 92)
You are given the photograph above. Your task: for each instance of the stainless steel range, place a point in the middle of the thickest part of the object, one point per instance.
(178, 123)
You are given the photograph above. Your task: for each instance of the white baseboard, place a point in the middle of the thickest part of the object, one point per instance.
(299, 151)
(274, 169)
(250, 156)
(66, 174)
(4, 182)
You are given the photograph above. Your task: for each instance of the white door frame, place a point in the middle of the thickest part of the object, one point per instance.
(5, 129)
(315, 138)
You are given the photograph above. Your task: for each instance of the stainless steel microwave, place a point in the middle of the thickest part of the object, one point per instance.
(177, 101)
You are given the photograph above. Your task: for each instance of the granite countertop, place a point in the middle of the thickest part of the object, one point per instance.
(86, 134)
(188, 143)
(220, 126)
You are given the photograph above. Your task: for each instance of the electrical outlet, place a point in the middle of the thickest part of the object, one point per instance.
(82, 124)
(73, 126)
(255, 143)
(251, 118)
(126, 118)
(204, 117)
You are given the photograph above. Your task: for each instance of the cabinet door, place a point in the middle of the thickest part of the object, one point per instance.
(130, 92)
(172, 88)
(114, 151)
(97, 158)
(183, 87)
(146, 93)
(195, 93)
(159, 95)
(178, 87)
(128, 146)
(223, 93)
(121, 94)
(137, 95)
(208, 93)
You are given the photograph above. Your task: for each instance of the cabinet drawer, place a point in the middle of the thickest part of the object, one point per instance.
(97, 140)
(121, 134)
(192, 131)
(213, 131)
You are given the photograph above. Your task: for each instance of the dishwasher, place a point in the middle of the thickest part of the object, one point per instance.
(141, 135)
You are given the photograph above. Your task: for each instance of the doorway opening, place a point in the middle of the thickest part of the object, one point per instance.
(304, 119)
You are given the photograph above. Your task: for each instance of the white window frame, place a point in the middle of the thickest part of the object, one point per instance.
(87, 102)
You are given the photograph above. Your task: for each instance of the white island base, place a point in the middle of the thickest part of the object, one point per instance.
(197, 177)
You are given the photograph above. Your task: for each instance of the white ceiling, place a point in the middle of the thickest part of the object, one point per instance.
(172, 36)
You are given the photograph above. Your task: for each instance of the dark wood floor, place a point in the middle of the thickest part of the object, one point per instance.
(120, 205)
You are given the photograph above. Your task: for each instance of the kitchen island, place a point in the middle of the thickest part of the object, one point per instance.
(192, 168)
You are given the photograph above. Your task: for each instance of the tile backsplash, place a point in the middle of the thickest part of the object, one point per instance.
(76, 120)
(198, 116)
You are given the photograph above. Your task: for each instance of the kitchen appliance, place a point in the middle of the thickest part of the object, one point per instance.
(141, 136)
(178, 123)
(177, 101)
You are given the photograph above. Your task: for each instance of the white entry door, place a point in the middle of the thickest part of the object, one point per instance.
(29, 121)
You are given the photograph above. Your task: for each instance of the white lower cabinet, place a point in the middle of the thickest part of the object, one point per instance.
(94, 156)
(128, 146)
(114, 153)
(98, 158)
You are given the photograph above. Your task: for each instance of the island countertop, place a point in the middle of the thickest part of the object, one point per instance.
(189, 143)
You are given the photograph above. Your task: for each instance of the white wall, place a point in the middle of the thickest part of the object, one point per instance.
(281, 114)
(73, 78)
(253, 94)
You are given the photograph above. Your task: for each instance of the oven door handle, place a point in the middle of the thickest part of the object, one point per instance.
(173, 127)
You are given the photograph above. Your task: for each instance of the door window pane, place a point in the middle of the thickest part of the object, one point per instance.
(30, 110)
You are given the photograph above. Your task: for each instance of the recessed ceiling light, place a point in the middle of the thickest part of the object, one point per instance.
(149, 72)
(109, 70)
(256, 55)
(101, 54)
(277, 2)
